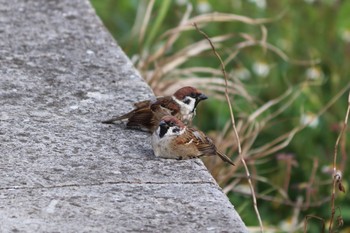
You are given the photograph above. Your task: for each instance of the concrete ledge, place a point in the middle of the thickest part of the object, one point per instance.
(63, 171)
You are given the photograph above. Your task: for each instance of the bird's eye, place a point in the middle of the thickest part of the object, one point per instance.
(171, 123)
(193, 95)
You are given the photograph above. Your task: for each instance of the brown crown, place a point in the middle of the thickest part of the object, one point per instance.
(186, 91)
(171, 119)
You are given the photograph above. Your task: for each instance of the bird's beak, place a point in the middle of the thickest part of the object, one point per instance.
(201, 97)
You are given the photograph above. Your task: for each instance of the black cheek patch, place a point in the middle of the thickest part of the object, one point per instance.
(163, 131)
(176, 130)
(187, 101)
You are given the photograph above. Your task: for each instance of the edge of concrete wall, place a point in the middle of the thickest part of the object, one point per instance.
(63, 171)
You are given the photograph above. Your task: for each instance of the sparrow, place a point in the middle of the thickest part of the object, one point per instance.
(147, 114)
(174, 140)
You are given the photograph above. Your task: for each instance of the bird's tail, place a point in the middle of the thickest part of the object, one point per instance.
(225, 158)
(117, 118)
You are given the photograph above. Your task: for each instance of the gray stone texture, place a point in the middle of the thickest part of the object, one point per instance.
(61, 169)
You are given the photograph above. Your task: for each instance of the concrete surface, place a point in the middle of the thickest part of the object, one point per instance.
(63, 171)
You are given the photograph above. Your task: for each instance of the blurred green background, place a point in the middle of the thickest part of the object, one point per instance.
(314, 35)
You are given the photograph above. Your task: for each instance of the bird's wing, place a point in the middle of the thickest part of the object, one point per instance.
(142, 108)
(165, 105)
(148, 103)
(141, 117)
(203, 144)
(197, 141)
(142, 104)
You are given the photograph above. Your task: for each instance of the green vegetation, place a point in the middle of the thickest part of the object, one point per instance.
(288, 65)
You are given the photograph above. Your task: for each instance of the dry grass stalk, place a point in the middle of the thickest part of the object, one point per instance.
(337, 176)
(310, 184)
(296, 211)
(156, 65)
(283, 140)
(281, 201)
(234, 128)
(172, 38)
(146, 21)
(203, 19)
(315, 217)
(276, 145)
(170, 63)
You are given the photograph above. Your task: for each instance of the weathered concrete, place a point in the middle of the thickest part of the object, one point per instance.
(63, 171)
